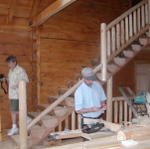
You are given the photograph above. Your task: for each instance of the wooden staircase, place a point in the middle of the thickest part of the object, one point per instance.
(119, 61)
(121, 41)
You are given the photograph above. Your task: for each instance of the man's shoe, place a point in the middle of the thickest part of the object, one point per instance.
(13, 131)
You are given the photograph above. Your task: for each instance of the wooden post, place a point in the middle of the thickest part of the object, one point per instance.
(118, 35)
(22, 115)
(109, 100)
(134, 22)
(146, 13)
(38, 65)
(126, 28)
(116, 111)
(149, 15)
(122, 32)
(103, 52)
(67, 123)
(79, 121)
(60, 127)
(139, 19)
(108, 43)
(73, 121)
(113, 38)
(120, 111)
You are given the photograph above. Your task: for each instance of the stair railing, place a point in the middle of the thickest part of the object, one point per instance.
(120, 33)
(121, 113)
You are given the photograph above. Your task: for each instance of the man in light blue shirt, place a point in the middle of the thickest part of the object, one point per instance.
(90, 97)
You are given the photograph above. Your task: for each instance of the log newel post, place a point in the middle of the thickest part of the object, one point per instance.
(103, 52)
(22, 115)
(109, 99)
(149, 17)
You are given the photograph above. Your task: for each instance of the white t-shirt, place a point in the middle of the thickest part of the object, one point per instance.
(88, 97)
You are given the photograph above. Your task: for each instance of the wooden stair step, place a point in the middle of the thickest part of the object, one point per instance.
(69, 101)
(143, 41)
(61, 91)
(33, 114)
(112, 67)
(70, 83)
(60, 111)
(42, 106)
(128, 53)
(51, 122)
(52, 99)
(119, 61)
(15, 139)
(37, 134)
(136, 47)
(37, 131)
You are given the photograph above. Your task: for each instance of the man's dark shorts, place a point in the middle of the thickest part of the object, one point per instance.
(14, 105)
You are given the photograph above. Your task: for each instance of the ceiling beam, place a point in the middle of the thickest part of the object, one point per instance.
(11, 10)
(52, 9)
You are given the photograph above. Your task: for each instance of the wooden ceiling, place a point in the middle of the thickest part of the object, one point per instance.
(35, 12)
(21, 11)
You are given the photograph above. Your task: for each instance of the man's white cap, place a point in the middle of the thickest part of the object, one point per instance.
(88, 73)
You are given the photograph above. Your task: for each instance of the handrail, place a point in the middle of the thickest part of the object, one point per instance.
(121, 98)
(58, 101)
(121, 32)
(117, 20)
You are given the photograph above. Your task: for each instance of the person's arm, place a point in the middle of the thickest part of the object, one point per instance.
(103, 105)
(87, 110)
(93, 109)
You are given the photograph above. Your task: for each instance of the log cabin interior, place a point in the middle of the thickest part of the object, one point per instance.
(53, 40)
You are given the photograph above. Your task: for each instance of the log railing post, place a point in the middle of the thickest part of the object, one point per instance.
(109, 100)
(103, 51)
(149, 16)
(22, 115)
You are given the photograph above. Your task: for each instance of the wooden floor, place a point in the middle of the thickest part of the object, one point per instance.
(7, 144)
(96, 143)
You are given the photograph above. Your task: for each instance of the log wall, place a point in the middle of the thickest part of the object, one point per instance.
(70, 40)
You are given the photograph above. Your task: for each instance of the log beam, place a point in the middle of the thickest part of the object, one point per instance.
(52, 9)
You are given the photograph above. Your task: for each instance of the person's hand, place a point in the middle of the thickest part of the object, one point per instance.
(95, 109)
(103, 107)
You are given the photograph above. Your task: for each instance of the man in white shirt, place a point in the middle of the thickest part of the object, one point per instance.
(90, 97)
(15, 75)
